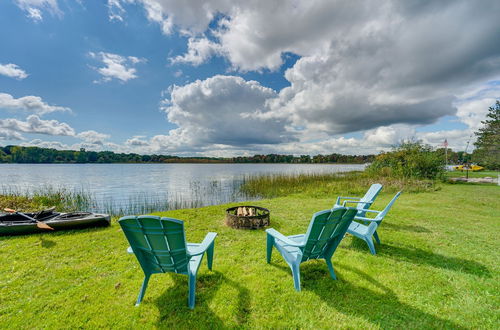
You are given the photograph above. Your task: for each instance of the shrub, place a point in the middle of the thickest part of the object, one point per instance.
(409, 160)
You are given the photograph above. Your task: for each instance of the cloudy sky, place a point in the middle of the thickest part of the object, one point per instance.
(231, 77)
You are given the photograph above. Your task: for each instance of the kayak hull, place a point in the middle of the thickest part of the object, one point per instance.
(62, 221)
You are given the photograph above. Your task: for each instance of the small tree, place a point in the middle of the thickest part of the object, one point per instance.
(487, 151)
(409, 160)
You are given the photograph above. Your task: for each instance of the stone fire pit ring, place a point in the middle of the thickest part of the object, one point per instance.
(247, 217)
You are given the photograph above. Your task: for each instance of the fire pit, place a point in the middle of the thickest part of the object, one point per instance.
(247, 217)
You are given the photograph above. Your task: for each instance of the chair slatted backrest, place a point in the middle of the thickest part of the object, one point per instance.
(158, 243)
(382, 214)
(326, 229)
(369, 197)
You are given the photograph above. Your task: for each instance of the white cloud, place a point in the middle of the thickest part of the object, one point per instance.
(13, 71)
(93, 137)
(29, 103)
(362, 64)
(190, 16)
(34, 8)
(199, 51)
(7, 134)
(115, 10)
(137, 141)
(116, 66)
(457, 139)
(76, 146)
(473, 106)
(34, 124)
(216, 110)
(47, 144)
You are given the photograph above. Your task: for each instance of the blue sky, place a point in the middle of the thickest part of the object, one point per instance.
(221, 78)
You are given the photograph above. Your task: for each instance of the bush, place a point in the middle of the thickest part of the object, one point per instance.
(409, 160)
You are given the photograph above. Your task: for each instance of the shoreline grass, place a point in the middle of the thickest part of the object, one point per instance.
(346, 183)
(437, 267)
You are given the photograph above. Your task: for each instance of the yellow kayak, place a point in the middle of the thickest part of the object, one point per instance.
(468, 167)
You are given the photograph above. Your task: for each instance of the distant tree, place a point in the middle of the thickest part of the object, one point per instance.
(487, 151)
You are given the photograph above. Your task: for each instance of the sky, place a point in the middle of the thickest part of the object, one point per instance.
(225, 78)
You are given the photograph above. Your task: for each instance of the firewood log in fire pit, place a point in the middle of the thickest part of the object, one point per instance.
(247, 217)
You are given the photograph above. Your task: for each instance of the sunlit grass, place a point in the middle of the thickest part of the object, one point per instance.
(471, 174)
(437, 267)
(275, 185)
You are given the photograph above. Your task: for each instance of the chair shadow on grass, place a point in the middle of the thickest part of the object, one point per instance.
(381, 306)
(172, 304)
(422, 257)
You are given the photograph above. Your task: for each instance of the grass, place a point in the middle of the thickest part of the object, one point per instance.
(437, 267)
(479, 174)
(64, 200)
(317, 185)
(68, 200)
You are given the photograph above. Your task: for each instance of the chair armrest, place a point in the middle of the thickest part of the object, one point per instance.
(353, 198)
(276, 234)
(337, 202)
(203, 247)
(370, 211)
(355, 202)
(346, 198)
(366, 219)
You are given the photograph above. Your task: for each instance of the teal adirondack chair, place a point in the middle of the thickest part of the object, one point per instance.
(160, 247)
(364, 202)
(367, 227)
(326, 230)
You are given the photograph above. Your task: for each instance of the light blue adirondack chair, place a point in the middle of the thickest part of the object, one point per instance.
(160, 247)
(364, 202)
(326, 230)
(364, 228)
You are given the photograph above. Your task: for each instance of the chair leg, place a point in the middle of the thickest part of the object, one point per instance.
(296, 276)
(192, 290)
(143, 289)
(369, 241)
(330, 268)
(210, 256)
(376, 237)
(270, 243)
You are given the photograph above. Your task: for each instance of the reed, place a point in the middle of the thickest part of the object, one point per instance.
(68, 200)
(65, 200)
(316, 185)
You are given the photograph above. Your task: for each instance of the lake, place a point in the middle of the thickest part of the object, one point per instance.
(141, 188)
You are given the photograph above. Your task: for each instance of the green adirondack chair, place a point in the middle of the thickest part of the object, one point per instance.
(364, 202)
(367, 227)
(326, 230)
(160, 247)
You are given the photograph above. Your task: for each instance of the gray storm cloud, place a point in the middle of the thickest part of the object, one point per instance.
(362, 65)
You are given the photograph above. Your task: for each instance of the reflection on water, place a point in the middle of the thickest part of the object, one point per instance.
(143, 188)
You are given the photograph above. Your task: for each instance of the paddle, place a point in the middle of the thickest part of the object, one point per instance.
(39, 224)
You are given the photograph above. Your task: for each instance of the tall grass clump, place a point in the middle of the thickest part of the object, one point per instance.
(409, 160)
(65, 200)
(318, 185)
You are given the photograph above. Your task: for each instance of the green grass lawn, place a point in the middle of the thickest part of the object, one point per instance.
(479, 174)
(437, 267)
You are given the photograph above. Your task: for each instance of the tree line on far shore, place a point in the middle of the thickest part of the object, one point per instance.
(36, 155)
(408, 159)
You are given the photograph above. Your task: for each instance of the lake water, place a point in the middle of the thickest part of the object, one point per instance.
(117, 187)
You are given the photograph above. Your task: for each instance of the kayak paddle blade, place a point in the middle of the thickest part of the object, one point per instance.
(43, 225)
